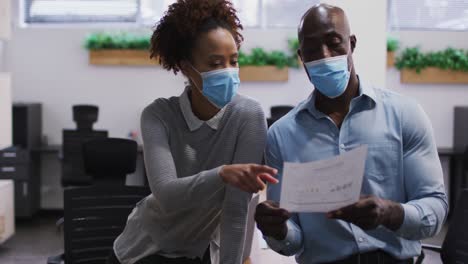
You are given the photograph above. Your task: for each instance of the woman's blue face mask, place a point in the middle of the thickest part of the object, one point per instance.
(329, 75)
(220, 86)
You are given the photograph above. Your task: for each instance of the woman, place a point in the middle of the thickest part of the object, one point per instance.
(201, 148)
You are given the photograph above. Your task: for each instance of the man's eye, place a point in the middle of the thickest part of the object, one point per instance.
(336, 41)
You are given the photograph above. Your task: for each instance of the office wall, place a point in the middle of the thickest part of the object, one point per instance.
(370, 30)
(5, 83)
(50, 66)
(2, 57)
(5, 19)
(5, 111)
(438, 100)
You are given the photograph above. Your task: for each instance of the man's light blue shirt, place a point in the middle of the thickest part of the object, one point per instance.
(402, 165)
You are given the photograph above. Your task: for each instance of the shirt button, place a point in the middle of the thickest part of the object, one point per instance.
(360, 240)
(342, 146)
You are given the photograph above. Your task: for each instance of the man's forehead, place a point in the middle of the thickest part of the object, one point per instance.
(320, 20)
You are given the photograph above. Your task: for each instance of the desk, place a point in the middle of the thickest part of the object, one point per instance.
(457, 180)
(58, 148)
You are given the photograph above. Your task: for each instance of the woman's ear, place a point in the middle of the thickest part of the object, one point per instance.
(183, 65)
(190, 72)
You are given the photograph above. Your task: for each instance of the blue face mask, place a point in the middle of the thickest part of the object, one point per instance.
(220, 86)
(329, 75)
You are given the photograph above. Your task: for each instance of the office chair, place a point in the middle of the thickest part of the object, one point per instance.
(276, 112)
(110, 159)
(455, 246)
(73, 173)
(85, 116)
(465, 168)
(279, 111)
(95, 215)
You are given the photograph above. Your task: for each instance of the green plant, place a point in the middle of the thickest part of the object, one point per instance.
(448, 59)
(293, 45)
(260, 57)
(257, 56)
(99, 41)
(392, 44)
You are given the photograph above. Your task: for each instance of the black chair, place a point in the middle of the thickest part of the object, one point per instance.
(276, 112)
(85, 116)
(279, 111)
(95, 215)
(455, 246)
(73, 173)
(465, 168)
(110, 160)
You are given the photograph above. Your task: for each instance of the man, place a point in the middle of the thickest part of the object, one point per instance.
(403, 196)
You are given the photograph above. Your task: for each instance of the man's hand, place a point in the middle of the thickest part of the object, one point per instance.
(370, 212)
(271, 220)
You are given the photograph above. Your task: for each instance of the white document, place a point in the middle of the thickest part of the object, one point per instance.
(325, 185)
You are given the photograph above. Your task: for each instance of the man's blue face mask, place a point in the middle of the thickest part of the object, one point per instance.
(329, 75)
(220, 86)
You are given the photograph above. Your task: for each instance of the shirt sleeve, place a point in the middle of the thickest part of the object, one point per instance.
(249, 149)
(427, 206)
(293, 243)
(173, 193)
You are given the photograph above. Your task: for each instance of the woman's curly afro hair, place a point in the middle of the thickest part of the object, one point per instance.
(175, 34)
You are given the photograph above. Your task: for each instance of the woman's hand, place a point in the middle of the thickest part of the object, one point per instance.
(248, 177)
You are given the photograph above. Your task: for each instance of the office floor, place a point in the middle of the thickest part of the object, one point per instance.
(34, 240)
(38, 238)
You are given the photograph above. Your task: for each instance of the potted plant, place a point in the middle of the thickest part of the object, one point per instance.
(119, 49)
(293, 45)
(260, 65)
(129, 49)
(445, 66)
(392, 46)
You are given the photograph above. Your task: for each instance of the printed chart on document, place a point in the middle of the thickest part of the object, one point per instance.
(324, 185)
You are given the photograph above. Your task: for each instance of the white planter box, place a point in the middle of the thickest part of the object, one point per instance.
(7, 209)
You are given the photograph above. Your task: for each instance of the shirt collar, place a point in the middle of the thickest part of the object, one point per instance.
(365, 90)
(193, 122)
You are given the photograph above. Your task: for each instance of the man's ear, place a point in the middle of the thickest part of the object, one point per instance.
(299, 54)
(352, 40)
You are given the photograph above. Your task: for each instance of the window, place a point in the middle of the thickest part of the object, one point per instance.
(252, 13)
(451, 15)
(153, 10)
(285, 13)
(248, 12)
(76, 11)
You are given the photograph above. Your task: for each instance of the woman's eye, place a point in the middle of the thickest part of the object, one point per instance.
(234, 62)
